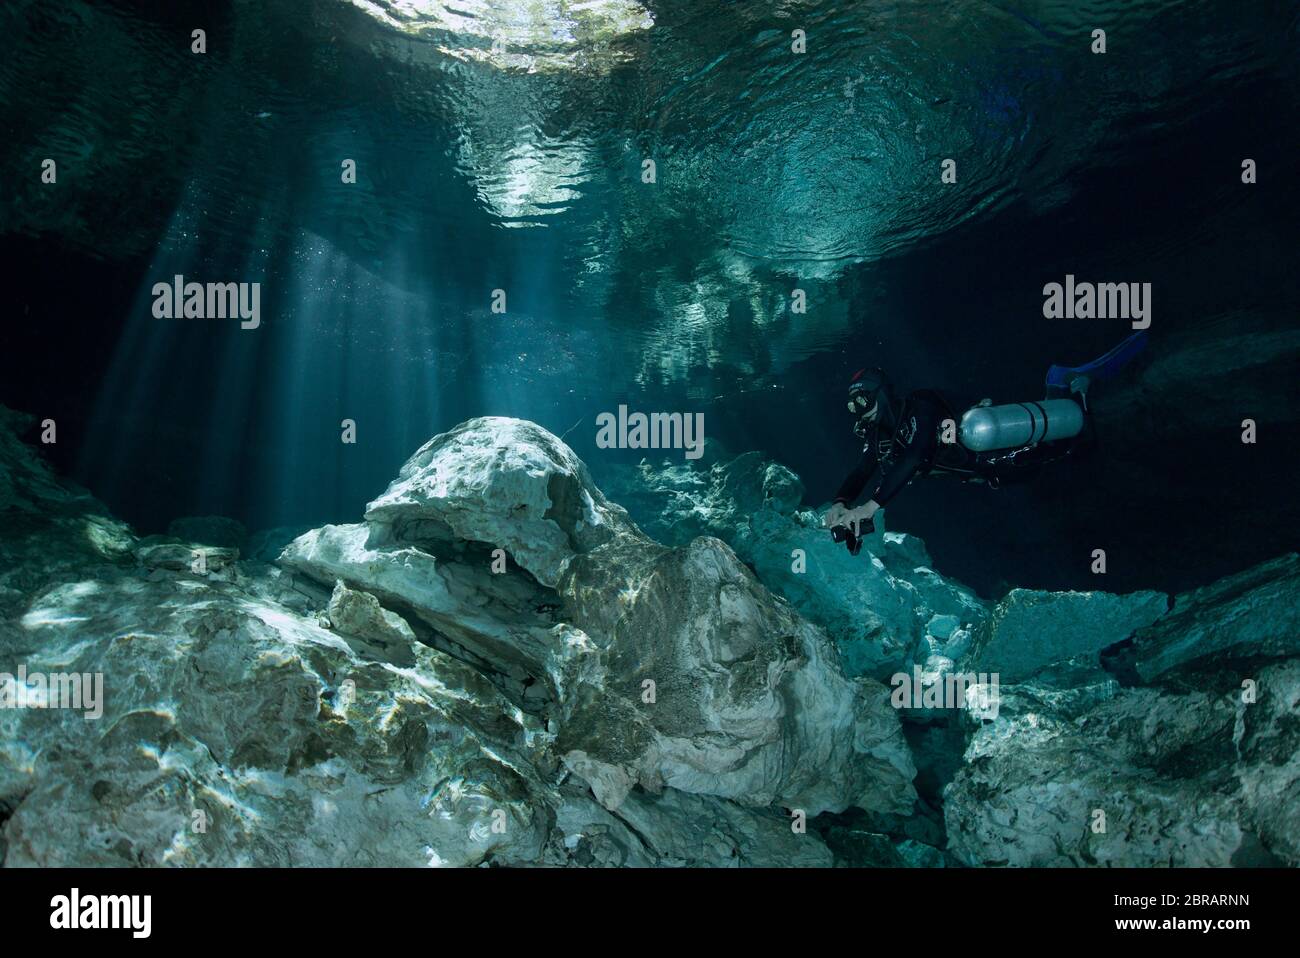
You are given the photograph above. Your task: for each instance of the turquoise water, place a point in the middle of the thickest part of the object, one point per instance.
(502, 146)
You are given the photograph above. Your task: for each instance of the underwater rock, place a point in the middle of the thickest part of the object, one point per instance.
(27, 485)
(1133, 777)
(237, 734)
(505, 482)
(871, 840)
(697, 830)
(674, 829)
(749, 702)
(183, 557)
(501, 622)
(717, 688)
(1254, 614)
(45, 520)
(1269, 745)
(1029, 629)
(860, 848)
(919, 855)
(235, 731)
(587, 835)
(603, 700)
(49, 527)
(1246, 358)
(875, 606)
(360, 614)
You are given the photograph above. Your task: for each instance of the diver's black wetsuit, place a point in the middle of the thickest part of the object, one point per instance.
(905, 442)
(902, 442)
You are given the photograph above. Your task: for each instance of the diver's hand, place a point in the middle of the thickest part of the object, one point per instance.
(855, 517)
(835, 516)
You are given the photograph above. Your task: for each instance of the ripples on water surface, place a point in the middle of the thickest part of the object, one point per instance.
(500, 143)
(500, 146)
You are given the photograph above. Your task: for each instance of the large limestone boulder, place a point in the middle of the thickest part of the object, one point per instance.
(876, 606)
(235, 733)
(1254, 614)
(660, 667)
(748, 700)
(1076, 767)
(1029, 629)
(231, 728)
(252, 716)
(443, 684)
(506, 482)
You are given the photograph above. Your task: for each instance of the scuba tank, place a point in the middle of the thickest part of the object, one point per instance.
(986, 428)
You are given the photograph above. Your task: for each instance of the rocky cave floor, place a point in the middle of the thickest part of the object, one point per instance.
(498, 666)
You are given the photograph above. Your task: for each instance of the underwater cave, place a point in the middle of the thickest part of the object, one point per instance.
(602, 434)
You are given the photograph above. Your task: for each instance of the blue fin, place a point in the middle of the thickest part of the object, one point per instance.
(1103, 367)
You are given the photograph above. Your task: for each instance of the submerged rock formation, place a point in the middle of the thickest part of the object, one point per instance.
(656, 666)
(1030, 630)
(407, 694)
(1124, 730)
(499, 666)
(885, 609)
(1246, 616)
(1138, 776)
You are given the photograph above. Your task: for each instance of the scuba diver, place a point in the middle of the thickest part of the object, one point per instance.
(922, 435)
